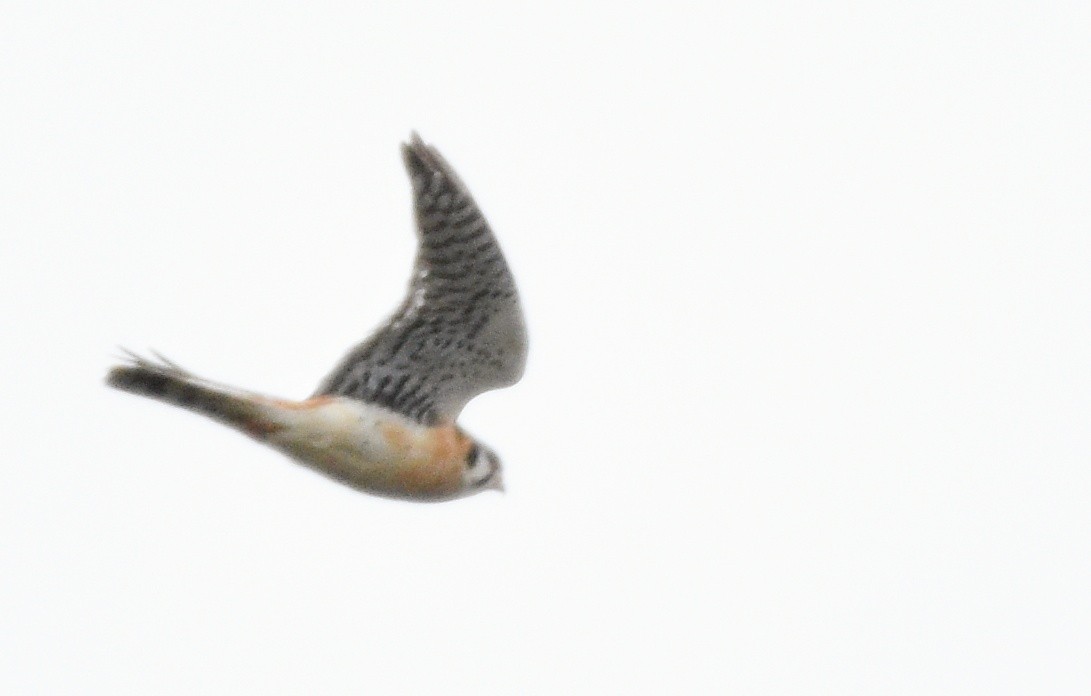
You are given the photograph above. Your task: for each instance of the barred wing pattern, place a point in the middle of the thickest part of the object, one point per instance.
(459, 332)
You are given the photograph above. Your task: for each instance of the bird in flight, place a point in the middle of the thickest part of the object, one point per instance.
(384, 420)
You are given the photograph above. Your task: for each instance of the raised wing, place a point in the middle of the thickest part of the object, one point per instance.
(459, 332)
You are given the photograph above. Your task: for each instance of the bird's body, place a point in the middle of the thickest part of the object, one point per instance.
(384, 420)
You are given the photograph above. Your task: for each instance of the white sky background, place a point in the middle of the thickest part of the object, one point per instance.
(808, 395)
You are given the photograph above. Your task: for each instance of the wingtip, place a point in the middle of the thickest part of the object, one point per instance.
(423, 161)
(416, 153)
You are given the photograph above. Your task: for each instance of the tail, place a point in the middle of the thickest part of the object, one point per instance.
(167, 382)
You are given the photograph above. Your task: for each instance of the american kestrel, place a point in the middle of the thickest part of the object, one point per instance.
(384, 420)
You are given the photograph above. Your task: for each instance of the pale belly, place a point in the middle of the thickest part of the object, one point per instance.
(370, 448)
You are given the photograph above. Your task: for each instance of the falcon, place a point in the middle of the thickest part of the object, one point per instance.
(384, 420)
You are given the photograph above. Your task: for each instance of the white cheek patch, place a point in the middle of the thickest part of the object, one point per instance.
(482, 468)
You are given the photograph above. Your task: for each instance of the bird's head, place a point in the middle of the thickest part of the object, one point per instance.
(481, 470)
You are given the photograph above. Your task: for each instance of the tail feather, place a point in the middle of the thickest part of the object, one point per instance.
(169, 383)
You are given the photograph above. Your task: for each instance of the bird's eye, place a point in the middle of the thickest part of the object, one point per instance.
(472, 458)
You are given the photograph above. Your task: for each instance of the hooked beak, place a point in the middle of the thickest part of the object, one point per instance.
(496, 483)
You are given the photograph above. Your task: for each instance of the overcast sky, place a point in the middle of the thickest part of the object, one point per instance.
(808, 395)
